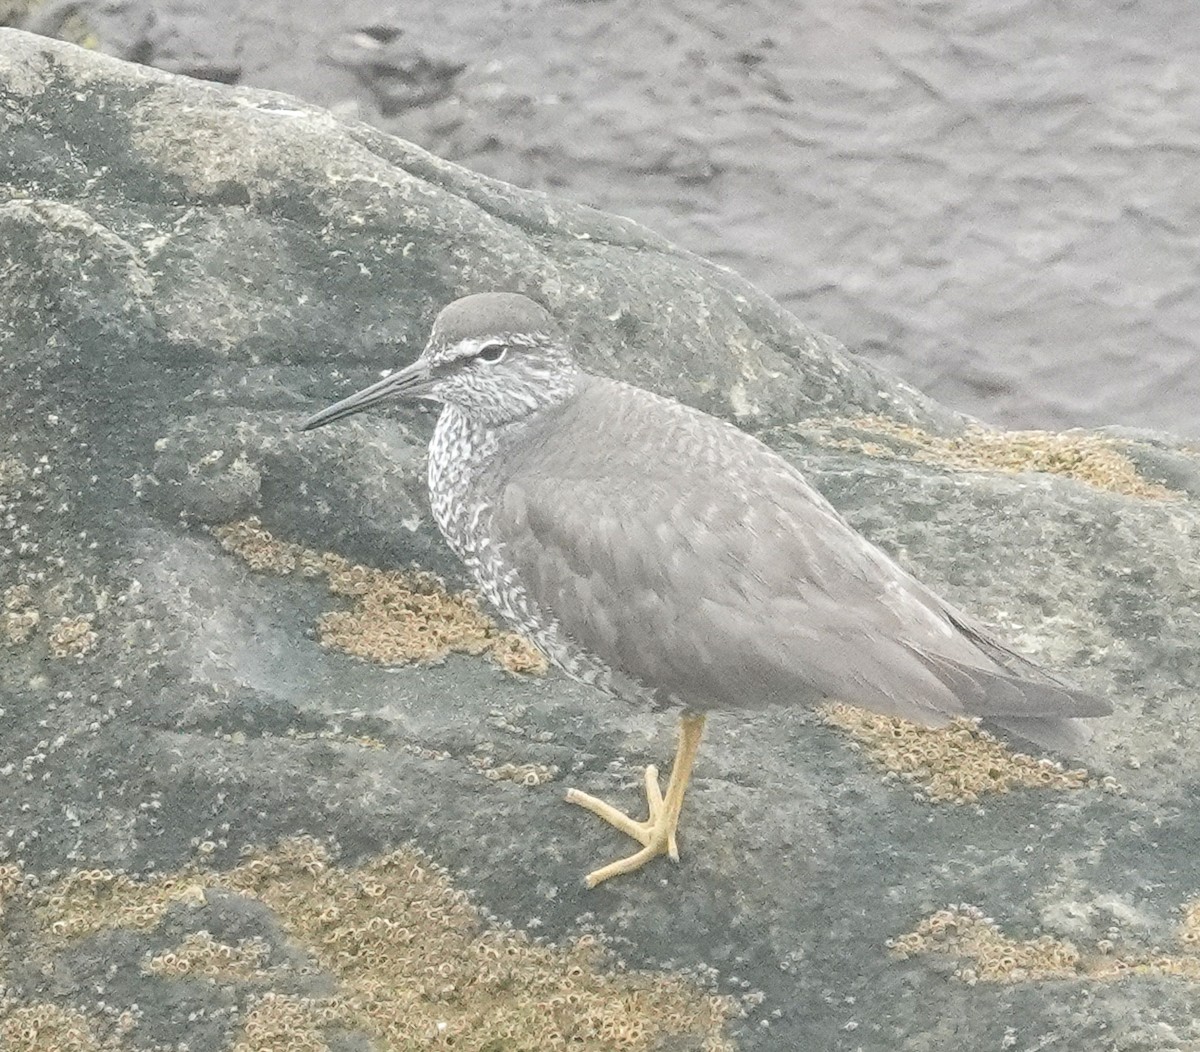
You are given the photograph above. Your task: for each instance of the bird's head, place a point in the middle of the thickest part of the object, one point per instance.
(496, 357)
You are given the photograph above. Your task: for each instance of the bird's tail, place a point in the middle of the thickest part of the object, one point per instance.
(1062, 735)
(1020, 699)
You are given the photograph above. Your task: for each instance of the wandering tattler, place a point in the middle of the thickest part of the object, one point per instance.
(665, 556)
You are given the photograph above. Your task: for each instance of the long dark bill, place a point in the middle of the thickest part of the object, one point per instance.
(409, 382)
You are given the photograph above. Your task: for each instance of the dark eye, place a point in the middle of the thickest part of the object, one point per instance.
(492, 352)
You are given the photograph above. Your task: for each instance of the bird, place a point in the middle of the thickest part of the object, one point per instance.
(670, 559)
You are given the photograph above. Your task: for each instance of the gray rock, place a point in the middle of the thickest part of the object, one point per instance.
(186, 271)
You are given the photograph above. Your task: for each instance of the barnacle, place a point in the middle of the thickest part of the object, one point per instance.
(958, 763)
(1093, 459)
(989, 955)
(412, 962)
(396, 616)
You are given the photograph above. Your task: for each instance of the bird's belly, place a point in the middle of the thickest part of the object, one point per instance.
(501, 586)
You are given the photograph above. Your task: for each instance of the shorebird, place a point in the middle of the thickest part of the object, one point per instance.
(668, 558)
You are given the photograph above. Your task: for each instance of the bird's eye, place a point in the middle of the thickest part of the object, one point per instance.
(492, 352)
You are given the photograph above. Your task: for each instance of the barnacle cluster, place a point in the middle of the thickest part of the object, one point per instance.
(989, 955)
(202, 956)
(526, 774)
(396, 616)
(42, 1027)
(280, 1023)
(1093, 459)
(361, 741)
(964, 931)
(1189, 929)
(44, 596)
(409, 961)
(91, 900)
(957, 763)
(72, 636)
(20, 616)
(10, 880)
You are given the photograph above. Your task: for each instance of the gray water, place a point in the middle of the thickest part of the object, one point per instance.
(999, 202)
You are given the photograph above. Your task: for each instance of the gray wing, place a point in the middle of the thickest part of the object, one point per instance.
(710, 571)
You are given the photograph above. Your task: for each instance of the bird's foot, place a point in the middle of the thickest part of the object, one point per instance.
(656, 834)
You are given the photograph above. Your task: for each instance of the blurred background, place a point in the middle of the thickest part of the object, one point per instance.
(999, 202)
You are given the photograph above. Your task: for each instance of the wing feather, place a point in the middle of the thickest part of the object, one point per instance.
(711, 571)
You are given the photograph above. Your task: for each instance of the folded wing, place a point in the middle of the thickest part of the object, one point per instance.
(715, 574)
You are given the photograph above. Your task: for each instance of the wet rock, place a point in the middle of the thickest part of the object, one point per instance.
(186, 271)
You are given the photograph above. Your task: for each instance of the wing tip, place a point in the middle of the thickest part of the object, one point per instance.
(1057, 733)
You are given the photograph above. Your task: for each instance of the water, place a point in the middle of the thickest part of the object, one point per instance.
(1001, 203)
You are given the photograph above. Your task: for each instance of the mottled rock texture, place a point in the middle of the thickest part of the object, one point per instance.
(198, 600)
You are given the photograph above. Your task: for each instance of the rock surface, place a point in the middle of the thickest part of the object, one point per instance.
(185, 272)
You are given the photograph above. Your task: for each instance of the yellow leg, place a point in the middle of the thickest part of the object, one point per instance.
(657, 833)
